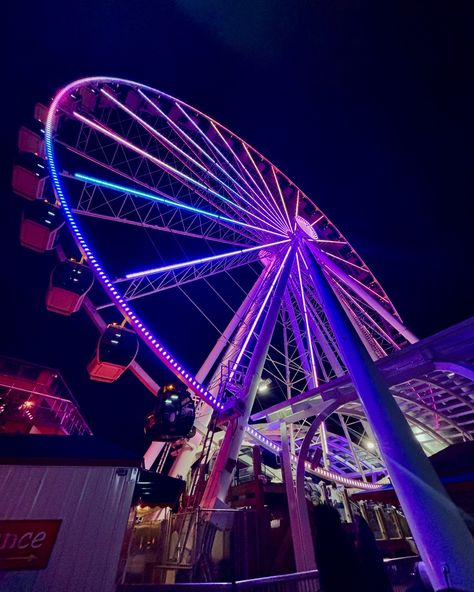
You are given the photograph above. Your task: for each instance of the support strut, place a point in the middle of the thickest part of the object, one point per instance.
(221, 476)
(443, 539)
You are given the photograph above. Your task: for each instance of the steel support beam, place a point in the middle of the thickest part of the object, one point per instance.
(221, 476)
(445, 543)
(187, 455)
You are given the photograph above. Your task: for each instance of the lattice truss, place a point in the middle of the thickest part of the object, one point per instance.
(173, 202)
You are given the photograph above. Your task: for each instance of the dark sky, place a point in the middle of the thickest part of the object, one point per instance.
(368, 106)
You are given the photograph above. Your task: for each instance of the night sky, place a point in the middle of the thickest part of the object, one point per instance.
(367, 106)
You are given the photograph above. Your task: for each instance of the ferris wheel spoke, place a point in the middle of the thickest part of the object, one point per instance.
(257, 191)
(146, 285)
(324, 337)
(262, 179)
(297, 207)
(259, 195)
(195, 262)
(327, 362)
(165, 201)
(281, 196)
(365, 295)
(189, 225)
(346, 262)
(376, 294)
(157, 280)
(250, 334)
(218, 152)
(185, 159)
(307, 327)
(172, 171)
(191, 144)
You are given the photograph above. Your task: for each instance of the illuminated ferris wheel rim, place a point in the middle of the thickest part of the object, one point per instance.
(110, 288)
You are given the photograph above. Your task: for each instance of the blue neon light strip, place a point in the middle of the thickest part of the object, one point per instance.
(164, 200)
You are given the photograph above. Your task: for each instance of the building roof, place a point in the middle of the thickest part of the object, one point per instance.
(28, 449)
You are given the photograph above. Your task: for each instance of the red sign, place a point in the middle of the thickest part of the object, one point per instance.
(27, 544)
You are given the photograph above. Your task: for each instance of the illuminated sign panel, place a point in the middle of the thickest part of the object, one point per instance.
(27, 544)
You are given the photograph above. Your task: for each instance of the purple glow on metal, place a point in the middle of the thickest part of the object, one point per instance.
(370, 289)
(166, 201)
(296, 208)
(325, 473)
(206, 170)
(306, 320)
(264, 183)
(163, 165)
(318, 220)
(374, 324)
(208, 141)
(281, 195)
(259, 314)
(266, 203)
(202, 260)
(345, 261)
(103, 278)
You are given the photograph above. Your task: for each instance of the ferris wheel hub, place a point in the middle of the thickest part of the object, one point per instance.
(306, 227)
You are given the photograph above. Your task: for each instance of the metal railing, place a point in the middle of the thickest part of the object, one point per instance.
(400, 572)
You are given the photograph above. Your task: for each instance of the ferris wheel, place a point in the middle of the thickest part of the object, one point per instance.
(204, 249)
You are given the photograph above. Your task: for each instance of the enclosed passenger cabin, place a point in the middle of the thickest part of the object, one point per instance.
(173, 416)
(40, 225)
(69, 283)
(31, 138)
(29, 176)
(116, 350)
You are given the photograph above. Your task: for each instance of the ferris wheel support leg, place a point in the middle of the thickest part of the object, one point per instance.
(188, 455)
(445, 544)
(226, 461)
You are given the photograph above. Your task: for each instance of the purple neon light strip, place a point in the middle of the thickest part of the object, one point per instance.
(238, 160)
(325, 473)
(259, 314)
(202, 260)
(214, 147)
(370, 289)
(263, 181)
(115, 295)
(317, 220)
(163, 165)
(163, 200)
(374, 324)
(345, 261)
(306, 320)
(296, 208)
(281, 195)
(187, 139)
(165, 140)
